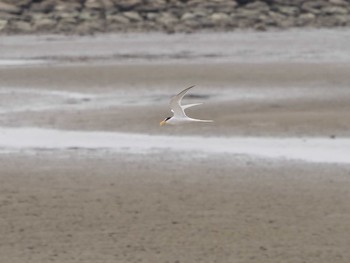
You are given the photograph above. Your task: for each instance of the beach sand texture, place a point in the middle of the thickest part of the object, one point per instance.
(95, 204)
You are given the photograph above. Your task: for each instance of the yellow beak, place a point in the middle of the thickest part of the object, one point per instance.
(162, 123)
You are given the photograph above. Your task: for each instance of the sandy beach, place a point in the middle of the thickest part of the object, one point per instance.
(75, 200)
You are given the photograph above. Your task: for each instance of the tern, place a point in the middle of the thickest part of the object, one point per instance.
(178, 110)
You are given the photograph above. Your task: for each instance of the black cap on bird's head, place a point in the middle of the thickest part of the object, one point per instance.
(163, 122)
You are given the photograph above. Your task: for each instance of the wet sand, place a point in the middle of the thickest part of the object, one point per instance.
(86, 204)
(244, 99)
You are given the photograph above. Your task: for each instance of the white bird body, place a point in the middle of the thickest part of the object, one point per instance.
(179, 115)
(176, 121)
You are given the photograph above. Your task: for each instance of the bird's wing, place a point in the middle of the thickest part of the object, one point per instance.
(190, 105)
(175, 103)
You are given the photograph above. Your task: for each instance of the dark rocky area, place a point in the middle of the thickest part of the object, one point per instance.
(90, 16)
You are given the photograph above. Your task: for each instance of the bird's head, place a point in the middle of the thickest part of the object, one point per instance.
(163, 122)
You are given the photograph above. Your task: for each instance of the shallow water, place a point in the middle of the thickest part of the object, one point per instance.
(14, 100)
(306, 45)
(315, 46)
(319, 150)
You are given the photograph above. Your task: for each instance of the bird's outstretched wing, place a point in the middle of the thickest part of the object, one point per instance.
(175, 104)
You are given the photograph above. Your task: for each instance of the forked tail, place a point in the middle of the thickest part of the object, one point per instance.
(201, 120)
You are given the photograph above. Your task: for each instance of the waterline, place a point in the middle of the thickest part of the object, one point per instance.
(320, 150)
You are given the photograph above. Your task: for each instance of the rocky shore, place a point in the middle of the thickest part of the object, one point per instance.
(90, 16)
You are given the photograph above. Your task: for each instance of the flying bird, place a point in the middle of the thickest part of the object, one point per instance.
(178, 110)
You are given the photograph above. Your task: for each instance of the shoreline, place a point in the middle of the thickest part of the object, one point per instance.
(305, 149)
(80, 202)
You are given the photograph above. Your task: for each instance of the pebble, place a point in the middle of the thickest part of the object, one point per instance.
(56, 16)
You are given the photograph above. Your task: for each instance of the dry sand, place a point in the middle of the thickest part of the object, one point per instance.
(81, 205)
(123, 208)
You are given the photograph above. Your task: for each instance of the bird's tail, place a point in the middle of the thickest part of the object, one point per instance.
(202, 120)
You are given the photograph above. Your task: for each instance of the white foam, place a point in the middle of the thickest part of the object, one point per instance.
(20, 62)
(28, 99)
(321, 150)
(49, 93)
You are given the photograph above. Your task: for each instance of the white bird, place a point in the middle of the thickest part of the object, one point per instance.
(179, 115)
